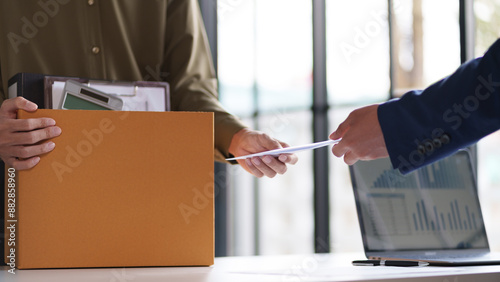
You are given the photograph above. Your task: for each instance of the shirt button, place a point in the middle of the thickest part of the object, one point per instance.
(429, 147)
(96, 50)
(91, 2)
(437, 143)
(445, 139)
(421, 149)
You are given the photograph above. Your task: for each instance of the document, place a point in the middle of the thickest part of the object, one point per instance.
(289, 150)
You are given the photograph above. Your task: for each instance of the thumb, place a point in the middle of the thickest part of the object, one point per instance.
(339, 133)
(11, 106)
(269, 143)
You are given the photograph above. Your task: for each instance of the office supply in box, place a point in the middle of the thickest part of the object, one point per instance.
(77, 96)
(136, 95)
(47, 91)
(29, 86)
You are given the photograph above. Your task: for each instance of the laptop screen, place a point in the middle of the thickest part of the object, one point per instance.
(435, 207)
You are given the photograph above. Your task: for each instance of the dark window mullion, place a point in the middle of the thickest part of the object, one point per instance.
(320, 130)
(209, 13)
(390, 20)
(467, 27)
(467, 42)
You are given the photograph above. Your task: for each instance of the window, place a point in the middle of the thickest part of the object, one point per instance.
(487, 31)
(265, 77)
(371, 59)
(376, 49)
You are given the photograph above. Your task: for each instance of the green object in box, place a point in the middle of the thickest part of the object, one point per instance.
(73, 102)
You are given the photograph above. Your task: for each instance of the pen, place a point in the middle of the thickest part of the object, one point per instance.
(371, 262)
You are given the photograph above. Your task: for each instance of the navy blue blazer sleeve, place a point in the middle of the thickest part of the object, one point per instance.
(424, 126)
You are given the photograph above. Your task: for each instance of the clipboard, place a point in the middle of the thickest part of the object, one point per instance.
(150, 96)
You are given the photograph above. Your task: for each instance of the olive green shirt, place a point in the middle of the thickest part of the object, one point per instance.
(117, 40)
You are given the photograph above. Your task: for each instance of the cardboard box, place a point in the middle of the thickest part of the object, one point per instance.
(120, 189)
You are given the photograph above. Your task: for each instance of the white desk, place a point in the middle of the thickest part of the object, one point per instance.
(330, 267)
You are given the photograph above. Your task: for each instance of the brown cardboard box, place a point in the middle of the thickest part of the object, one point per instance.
(120, 189)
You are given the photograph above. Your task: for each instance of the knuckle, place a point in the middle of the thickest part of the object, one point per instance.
(10, 162)
(274, 141)
(45, 122)
(8, 126)
(45, 133)
(17, 165)
(283, 144)
(21, 100)
(336, 152)
(31, 124)
(31, 138)
(15, 125)
(24, 125)
(5, 141)
(23, 152)
(32, 162)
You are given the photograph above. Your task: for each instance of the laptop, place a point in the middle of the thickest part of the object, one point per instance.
(432, 214)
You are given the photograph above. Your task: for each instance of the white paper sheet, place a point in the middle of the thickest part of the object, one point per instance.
(288, 150)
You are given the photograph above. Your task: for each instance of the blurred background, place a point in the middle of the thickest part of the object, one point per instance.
(295, 69)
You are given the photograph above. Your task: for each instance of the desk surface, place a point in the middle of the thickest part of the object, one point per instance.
(327, 267)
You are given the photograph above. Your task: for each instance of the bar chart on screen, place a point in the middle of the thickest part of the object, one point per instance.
(388, 214)
(436, 206)
(440, 175)
(402, 215)
(455, 217)
(420, 202)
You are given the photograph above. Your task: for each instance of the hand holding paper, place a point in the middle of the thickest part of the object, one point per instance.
(362, 137)
(246, 142)
(288, 150)
(262, 155)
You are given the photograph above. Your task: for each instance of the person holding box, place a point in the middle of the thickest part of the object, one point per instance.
(117, 40)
